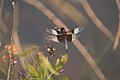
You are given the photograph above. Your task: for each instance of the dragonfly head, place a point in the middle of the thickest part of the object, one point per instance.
(62, 29)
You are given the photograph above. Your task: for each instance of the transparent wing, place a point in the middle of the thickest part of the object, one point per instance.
(77, 30)
(52, 31)
(75, 36)
(52, 38)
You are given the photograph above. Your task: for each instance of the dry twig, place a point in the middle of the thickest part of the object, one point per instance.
(118, 32)
(95, 20)
(3, 27)
(65, 7)
(1, 9)
(15, 32)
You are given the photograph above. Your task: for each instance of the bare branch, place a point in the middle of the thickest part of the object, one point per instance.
(9, 69)
(3, 26)
(65, 7)
(118, 32)
(15, 31)
(78, 45)
(95, 20)
(1, 9)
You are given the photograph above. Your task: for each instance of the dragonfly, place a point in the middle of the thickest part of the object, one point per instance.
(60, 35)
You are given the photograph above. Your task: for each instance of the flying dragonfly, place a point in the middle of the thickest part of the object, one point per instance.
(61, 35)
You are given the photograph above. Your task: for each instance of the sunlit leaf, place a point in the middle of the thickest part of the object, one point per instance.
(43, 72)
(57, 61)
(48, 64)
(32, 70)
(64, 58)
(51, 68)
(60, 64)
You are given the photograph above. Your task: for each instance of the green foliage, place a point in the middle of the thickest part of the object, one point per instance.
(47, 64)
(42, 68)
(32, 71)
(60, 62)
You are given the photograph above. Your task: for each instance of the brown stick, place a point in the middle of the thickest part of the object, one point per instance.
(78, 45)
(15, 32)
(95, 20)
(1, 9)
(118, 32)
(66, 8)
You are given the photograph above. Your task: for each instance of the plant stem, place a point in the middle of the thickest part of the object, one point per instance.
(1, 9)
(116, 42)
(49, 76)
(9, 69)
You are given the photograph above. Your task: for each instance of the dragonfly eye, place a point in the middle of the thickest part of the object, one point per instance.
(62, 29)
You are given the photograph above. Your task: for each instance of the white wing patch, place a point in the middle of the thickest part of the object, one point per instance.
(52, 31)
(53, 38)
(75, 36)
(79, 29)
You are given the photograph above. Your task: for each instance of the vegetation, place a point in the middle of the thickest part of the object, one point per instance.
(38, 66)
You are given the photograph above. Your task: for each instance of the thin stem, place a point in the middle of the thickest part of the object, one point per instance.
(65, 7)
(1, 9)
(15, 35)
(116, 42)
(49, 76)
(32, 57)
(99, 24)
(10, 60)
(9, 69)
(3, 26)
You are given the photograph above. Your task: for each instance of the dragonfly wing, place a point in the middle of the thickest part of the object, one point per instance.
(75, 36)
(78, 30)
(52, 31)
(53, 38)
